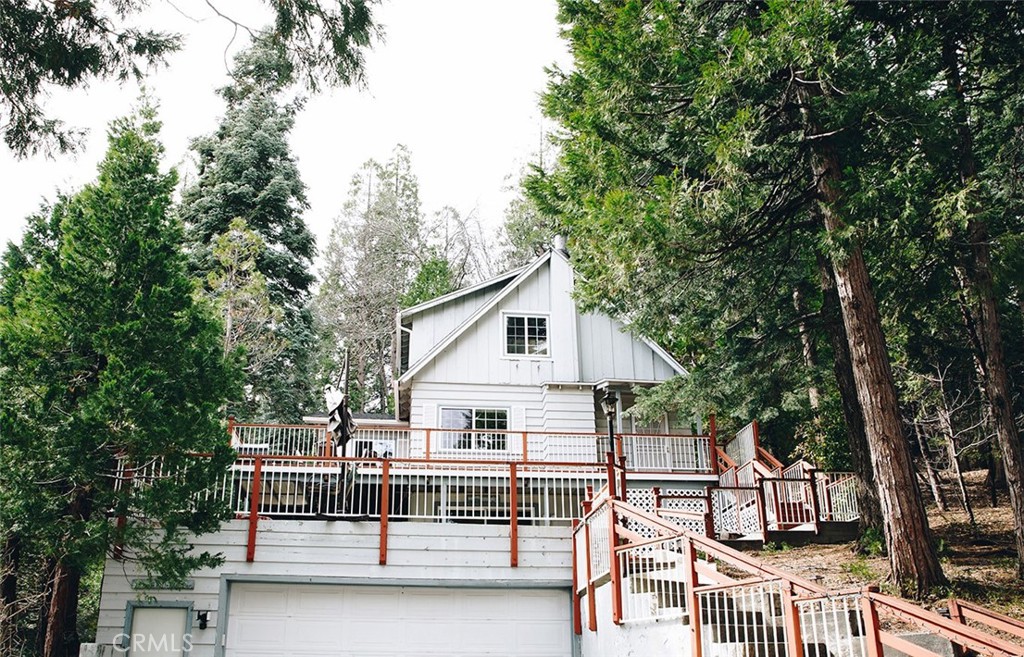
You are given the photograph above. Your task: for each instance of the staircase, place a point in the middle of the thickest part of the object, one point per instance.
(760, 500)
(644, 585)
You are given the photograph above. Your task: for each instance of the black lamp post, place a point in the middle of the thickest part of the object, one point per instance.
(609, 403)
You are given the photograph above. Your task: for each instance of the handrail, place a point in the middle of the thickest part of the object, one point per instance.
(406, 427)
(800, 599)
(711, 547)
(963, 635)
(962, 611)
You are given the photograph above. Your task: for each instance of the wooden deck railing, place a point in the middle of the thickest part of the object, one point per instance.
(733, 602)
(645, 452)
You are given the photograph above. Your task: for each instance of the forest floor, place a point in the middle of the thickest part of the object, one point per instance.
(980, 568)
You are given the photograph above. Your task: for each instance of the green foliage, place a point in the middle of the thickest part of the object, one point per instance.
(871, 542)
(861, 569)
(107, 358)
(247, 173)
(70, 44)
(771, 547)
(433, 279)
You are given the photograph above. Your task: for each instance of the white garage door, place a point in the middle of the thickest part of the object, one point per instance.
(356, 621)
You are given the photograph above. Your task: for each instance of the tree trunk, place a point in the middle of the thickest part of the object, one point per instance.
(995, 478)
(842, 367)
(42, 626)
(929, 471)
(61, 637)
(946, 426)
(915, 565)
(976, 278)
(62, 631)
(810, 353)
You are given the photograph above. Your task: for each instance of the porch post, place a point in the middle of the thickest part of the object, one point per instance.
(794, 640)
(591, 604)
(385, 508)
(577, 612)
(254, 508)
(713, 434)
(514, 516)
(692, 604)
(872, 633)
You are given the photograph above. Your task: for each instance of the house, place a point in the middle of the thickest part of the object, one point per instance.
(449, 530)
(516, 353)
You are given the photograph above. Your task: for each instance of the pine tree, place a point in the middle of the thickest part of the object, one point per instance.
(107, 360)
(371, 259)
(246, 171)
(718, 158)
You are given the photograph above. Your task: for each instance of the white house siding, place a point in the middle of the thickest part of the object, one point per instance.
(568, 407)
(294, 551)
(525, 403)
(477, 356)
(430, 326)
(607, 351)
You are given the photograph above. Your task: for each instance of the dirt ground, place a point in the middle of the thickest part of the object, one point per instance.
(980, 568)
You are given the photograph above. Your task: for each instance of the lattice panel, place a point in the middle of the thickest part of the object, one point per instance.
(644, 499)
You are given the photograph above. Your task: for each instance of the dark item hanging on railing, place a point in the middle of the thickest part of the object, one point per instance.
(340, 425)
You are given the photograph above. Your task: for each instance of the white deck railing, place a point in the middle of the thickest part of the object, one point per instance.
(440, 491)
(643, 452)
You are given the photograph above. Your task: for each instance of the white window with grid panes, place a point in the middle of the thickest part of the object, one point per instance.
(480, 421)
(526, 336)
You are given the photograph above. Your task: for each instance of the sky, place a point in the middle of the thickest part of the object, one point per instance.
(456, 81)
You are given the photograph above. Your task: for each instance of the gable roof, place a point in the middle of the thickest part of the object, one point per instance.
(519, 275)
(451, 296)
(523, 274)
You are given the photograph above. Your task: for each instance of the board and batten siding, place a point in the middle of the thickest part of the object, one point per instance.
(432, 325)
(608, 351)
(316, 551)
(584, 347)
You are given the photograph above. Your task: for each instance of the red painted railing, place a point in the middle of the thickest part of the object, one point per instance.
(658, 570)
(645, 452)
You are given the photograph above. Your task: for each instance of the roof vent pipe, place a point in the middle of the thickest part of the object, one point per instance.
(559, 244)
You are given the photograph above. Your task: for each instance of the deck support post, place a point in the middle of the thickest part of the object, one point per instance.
(713, 445)
(614, 572)
(591, 603)
(794, 638)
(815, 502)
(709, 514)
(513, 515)
(762, 515)
(385, 508)
(872, 633)
(577, 612)
(254, 508)
(692, 604)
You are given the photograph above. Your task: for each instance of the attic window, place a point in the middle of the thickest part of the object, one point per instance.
(526, 335)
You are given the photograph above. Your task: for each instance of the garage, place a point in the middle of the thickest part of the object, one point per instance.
(313, 620)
